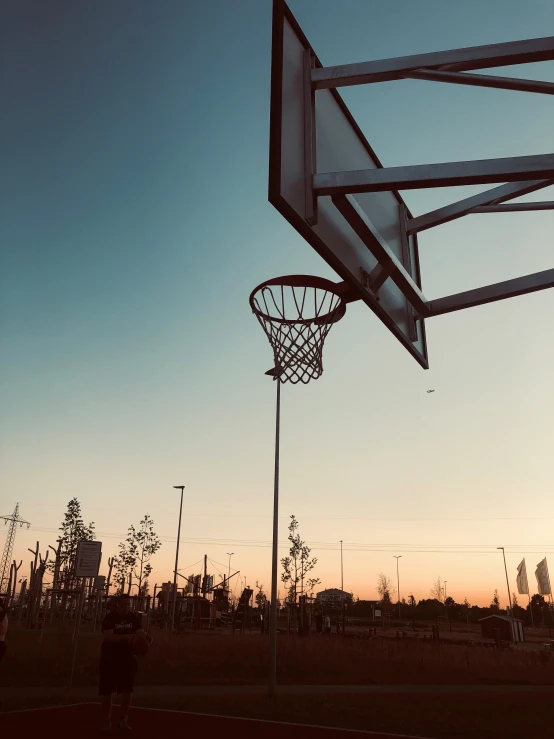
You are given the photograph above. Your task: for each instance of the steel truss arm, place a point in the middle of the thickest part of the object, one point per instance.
(483, 171)
(490, 293)
(482, 80)
(459, 60)
(515, 207)
(468, 205)
(389, 264)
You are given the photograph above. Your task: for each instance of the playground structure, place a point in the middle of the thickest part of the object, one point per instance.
(58, 604)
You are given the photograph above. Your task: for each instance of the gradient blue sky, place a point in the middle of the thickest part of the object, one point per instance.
(134, 222)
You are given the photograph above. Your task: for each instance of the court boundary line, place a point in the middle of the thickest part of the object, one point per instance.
(217, 715)
(51, 708)
(281, 723)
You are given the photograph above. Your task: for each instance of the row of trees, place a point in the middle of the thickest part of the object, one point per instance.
(439, 605)
(386, 590)
(431, 609)
(132, 565)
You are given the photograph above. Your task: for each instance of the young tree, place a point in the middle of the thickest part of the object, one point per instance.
(411, 601)
(385, 589)
(495, 605)
(311, 582)
(261, 597)
(540, 608)
(72, 531)
(144, 588)
(123, 566)
(437, 589)
(298, 564)
(136, 552)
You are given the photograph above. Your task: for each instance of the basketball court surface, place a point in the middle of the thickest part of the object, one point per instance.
(82, 720)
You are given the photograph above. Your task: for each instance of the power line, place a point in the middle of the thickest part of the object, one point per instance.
(394, 519)
(189, 566)
(350, 546)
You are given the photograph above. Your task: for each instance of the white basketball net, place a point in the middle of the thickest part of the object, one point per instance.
(296, 319)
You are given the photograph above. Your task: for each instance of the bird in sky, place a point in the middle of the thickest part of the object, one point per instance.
(430, 391)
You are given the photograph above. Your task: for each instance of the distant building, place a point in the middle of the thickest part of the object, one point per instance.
(509, 629)
(333, 595)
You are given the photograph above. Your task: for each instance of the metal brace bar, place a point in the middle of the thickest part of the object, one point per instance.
(482, 80)
(367, 232)
(483, 171)
(309, 139)
(491, 293)
(468, 205)
(460, 60)
(344, 289)
(375, 279)
(407, 262)
(515, 207)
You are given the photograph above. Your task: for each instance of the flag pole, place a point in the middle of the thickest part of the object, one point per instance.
(509, 613)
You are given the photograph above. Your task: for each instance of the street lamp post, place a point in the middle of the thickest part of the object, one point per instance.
(230, 554)
(343, 602)
(397, 557)
(341, 569)
(174, 598)
(507, 582)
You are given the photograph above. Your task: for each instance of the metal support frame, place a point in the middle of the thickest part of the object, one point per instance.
(482, 80)
(447, 174)
(374, 280)
(454, 60)
(515, 207)
(367, 232)
(536, 172)
(309, 139)
(470, 205)
(490, 293)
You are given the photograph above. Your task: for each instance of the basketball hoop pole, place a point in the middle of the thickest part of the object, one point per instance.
(274, 554)
(296, 313)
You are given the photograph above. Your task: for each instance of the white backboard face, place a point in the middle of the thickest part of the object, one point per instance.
(339, 146)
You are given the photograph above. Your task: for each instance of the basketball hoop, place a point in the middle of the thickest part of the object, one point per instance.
(297, 312)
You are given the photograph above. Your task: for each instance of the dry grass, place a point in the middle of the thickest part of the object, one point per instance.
(217, 658)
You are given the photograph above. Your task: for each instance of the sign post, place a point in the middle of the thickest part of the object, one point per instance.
(87, 564)
(87, 559)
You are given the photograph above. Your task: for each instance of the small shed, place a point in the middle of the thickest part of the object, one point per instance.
(510, 629)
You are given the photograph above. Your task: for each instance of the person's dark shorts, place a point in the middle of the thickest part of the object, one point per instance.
(3, 648)
(117, 675)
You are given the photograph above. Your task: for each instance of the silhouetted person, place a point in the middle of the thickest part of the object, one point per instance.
(319, 622)
(118, 664)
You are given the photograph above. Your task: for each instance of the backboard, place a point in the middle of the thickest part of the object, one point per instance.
(332, 141)
(327, 181)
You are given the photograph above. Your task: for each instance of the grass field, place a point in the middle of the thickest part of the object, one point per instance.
(218, 658)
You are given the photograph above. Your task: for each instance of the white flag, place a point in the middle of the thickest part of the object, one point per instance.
(521, 579)
(543, 579)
